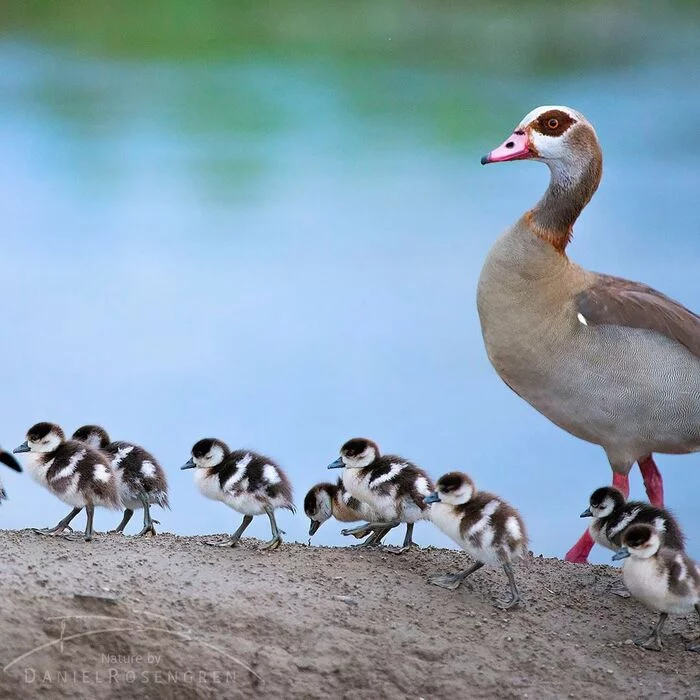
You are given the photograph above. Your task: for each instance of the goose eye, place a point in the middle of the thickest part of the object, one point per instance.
(552, 123)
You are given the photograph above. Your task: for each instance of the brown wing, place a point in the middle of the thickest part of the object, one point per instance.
(619, 302)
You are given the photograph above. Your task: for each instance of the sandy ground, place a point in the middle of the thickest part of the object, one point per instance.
(121, 617)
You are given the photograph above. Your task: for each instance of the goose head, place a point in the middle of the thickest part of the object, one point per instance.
(564, 139)
(556, 135)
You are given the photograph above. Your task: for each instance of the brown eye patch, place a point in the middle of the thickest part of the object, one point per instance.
(553, 123)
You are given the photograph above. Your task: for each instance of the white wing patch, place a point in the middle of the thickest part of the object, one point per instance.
(622, 524)
(513, 528)
(660, 524)
(240, 472)
(148, 469)
(122, 453)
(102, 473)
(244, 461)
(422, 486)
(70, 467)
(488, 510)
(395, 469)
(270, 474)
(682, 569)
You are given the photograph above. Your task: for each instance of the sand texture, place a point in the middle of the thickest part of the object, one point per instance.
(170, 618)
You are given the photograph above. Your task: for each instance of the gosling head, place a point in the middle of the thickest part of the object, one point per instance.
(640, 542)
(318, 505)
(207, 454)
(42, 437)
(603, 501)
(454, 489)
(356, 454)
(93, 435)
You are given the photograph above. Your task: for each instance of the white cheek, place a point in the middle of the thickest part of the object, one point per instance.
(216, 456)
(548, 146)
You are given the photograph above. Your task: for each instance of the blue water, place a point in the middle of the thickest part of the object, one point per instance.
(244, 249)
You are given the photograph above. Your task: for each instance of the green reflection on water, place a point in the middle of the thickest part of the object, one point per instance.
(209, 88)
(542, 35)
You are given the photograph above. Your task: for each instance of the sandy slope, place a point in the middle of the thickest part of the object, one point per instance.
(194, 621)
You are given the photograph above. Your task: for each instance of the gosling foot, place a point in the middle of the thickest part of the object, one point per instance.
(274, 543)
(450, 581)
(507, 603)
(392, 549)
(221, 542)
(618, 588)
(149, 529)
(53, 531)
(358, 532)
(77, 537)
(650, 643)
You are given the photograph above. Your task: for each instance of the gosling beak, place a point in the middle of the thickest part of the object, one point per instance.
(515, 147)
(313, 527)
(621, 554)
(7, 459)
(432, 498)
(338, 464)
(189, 464)
(586, 513)
(22, 448)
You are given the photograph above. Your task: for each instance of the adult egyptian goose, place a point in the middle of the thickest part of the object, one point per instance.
(611, 361)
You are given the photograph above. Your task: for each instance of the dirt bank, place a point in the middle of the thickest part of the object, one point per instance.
(169, 617)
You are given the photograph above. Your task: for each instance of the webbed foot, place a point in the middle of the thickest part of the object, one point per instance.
(450, 581)
(507, 603)
(221, 542)
(651, 643)
(53, 531)
(148, 529)
(273, 544)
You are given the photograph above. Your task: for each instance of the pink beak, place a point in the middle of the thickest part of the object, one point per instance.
(515, 147)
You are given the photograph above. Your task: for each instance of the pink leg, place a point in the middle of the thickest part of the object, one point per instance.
(578, 554)
(622, 483)
(653, 481)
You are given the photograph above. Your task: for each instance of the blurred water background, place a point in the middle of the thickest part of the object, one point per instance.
(265, 222)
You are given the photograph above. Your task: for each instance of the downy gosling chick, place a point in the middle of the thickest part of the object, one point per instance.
(140, 478)
(664, 579)
(393, 488)
(8, 460)
(245, 481)
(326, 500)
(490, 530)
(612, 515)
(78, 474)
